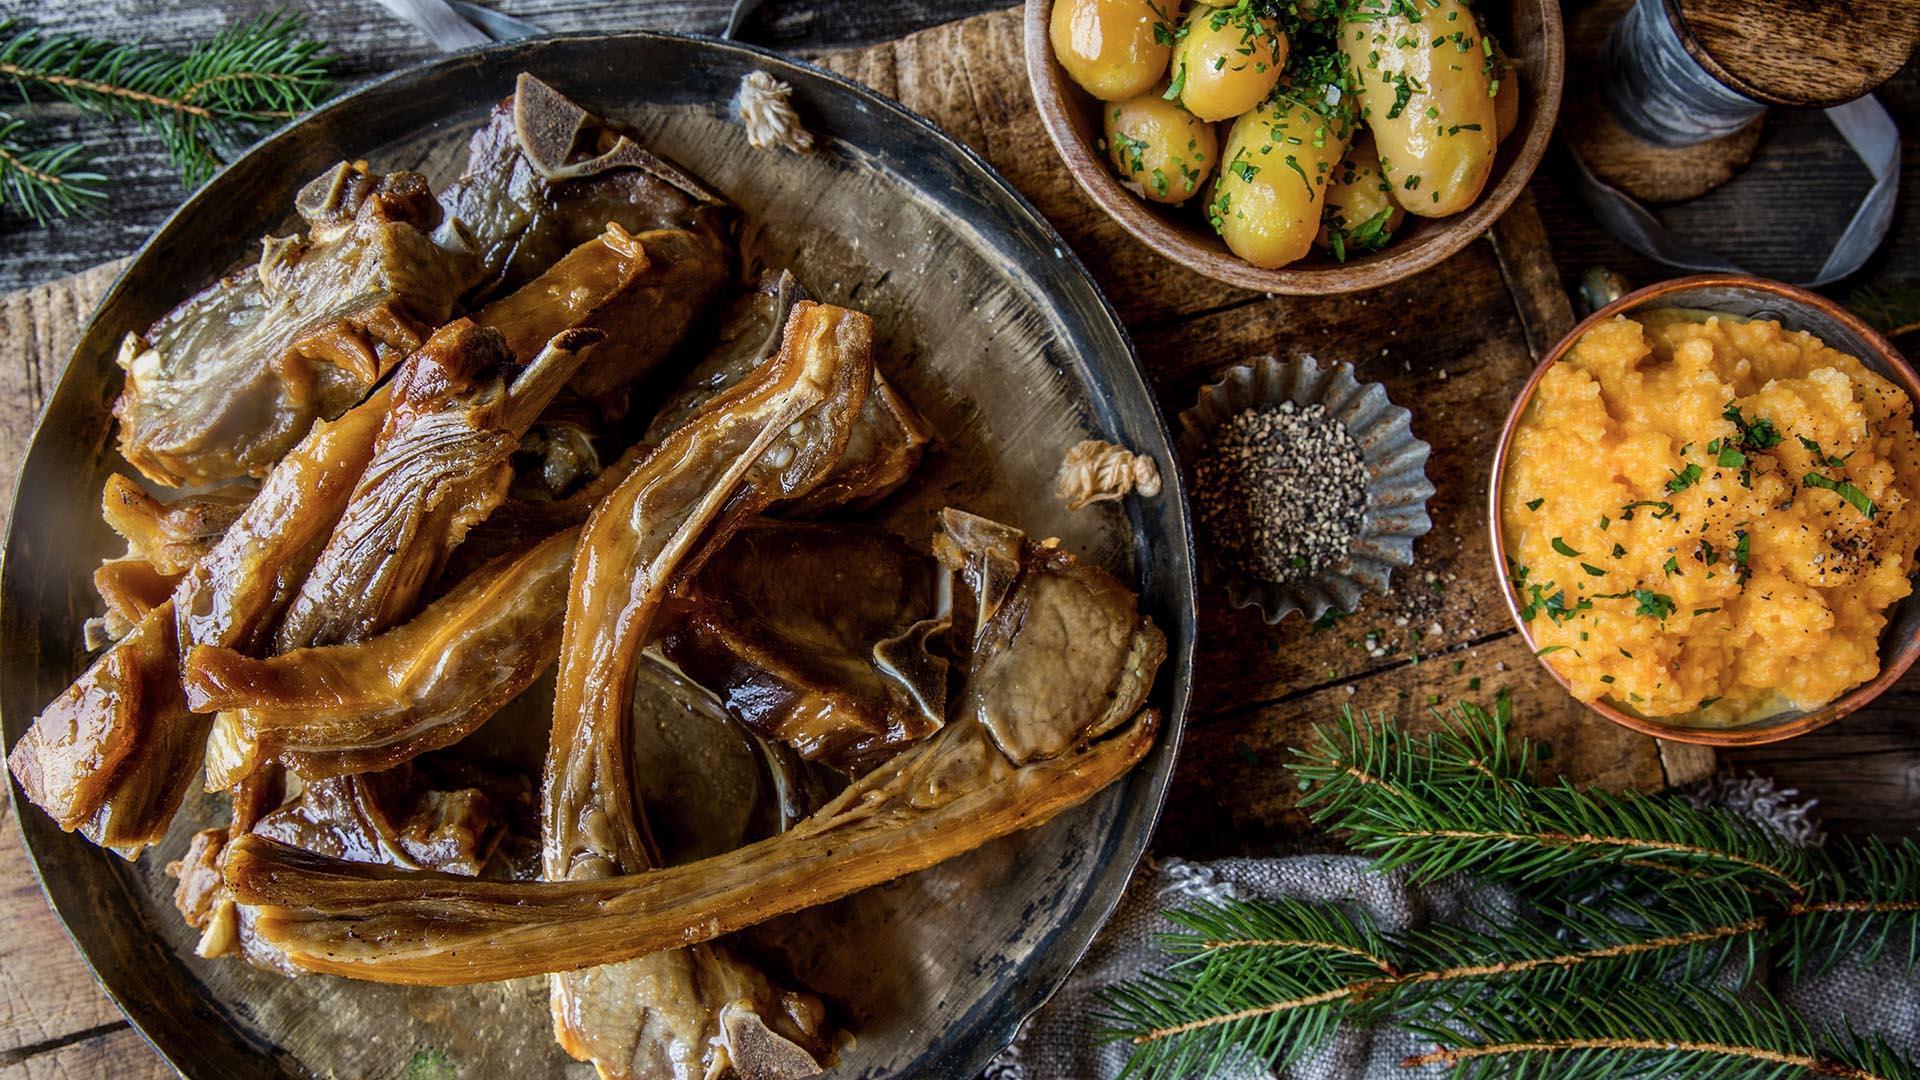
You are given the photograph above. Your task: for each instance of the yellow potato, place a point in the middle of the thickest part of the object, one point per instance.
(1273, 181)
(1361, 215)
(1162, 148)
(1228, 61)
(1425, 90)
(1506, 95)
(1115, 49)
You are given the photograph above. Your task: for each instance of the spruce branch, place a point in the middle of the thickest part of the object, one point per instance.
(1641, 1030)
(49, 181)
(203, 105)
(1438, 807)
(1250, 973)
(1622, 904)
(1867, 898)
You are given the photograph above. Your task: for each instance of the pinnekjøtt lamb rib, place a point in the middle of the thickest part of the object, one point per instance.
(886, 444)
(643, 291)
(234, 377)
(1059, 636)
(817, 636)
(440, 462)
(543, 176)
(772, 436)
(423, 684)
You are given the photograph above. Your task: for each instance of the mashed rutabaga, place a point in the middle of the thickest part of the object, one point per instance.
(1706, 519)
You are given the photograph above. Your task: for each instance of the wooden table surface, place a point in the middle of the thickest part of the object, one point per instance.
(1255, 687)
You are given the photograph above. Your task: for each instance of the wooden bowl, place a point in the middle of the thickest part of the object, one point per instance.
(1530, 31)
(1796, 309)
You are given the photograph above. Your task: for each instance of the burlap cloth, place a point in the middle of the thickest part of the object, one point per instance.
(1060, 1041)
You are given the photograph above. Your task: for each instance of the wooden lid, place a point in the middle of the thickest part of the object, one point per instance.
(1803, 53)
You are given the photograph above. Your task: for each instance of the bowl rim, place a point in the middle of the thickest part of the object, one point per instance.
(1897, 368)
(1050, 85)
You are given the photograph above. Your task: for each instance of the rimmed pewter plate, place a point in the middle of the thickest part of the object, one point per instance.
(983, 316)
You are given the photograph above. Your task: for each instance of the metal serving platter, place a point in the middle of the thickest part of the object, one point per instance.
(985, 318)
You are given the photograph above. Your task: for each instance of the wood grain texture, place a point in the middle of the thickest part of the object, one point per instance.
(46, 992)
(1787, 52)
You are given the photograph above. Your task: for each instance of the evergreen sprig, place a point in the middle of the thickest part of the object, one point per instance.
(203, 104)
(1641, 1030)
(1398, 797)
(1893, 308)
(1623, 906)
(48, 181)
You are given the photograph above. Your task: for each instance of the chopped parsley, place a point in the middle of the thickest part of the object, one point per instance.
(1535, 504)
(1661, 509)
(1593, 570)
(1821, 457)
(1560, 546)
(1684, 479)
(1671, 566)
(1548, 649)
(1759, 434)
(1699, 611)
(1740, 552)
(1656, 605)
(1845, 490)
(1618, 551)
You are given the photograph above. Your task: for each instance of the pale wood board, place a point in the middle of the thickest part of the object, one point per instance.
(1454, 345)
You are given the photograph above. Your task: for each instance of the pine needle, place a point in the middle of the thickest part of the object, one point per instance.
(1893, 309)
(1439, 807)
(204, 105)
(1624, 906)
(46, 182)
(1867, 898)
(1640, 1030)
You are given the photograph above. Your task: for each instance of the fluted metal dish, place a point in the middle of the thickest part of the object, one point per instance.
(1397, 485)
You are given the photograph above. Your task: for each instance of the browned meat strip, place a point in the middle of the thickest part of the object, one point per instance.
(172, 536)
(441, 463)
(772, 436)
(426, 683)
(886, 445)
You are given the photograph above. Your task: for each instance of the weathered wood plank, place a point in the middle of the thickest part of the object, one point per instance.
(115, 1054)
(46, 992)
(1233, 795)
(38, 330)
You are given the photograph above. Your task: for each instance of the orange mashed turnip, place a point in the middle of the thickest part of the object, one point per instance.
(1706, 519)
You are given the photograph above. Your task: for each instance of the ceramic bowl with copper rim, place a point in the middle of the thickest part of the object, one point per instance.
(1530, 31)
(1796, 309)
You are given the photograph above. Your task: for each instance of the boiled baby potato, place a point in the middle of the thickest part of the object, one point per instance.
(1159, 146)
(1425, 90)
(1506, 94)
(1228, 61)
(1273, 182)
(1115, 49)
(1361, 215)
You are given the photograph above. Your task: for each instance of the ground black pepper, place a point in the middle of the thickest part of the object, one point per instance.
(1280, 491)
